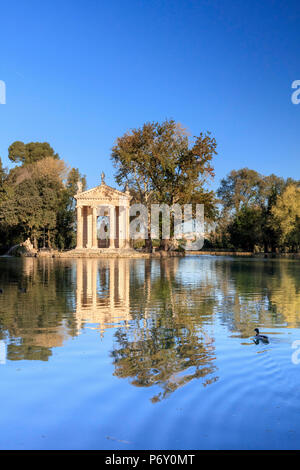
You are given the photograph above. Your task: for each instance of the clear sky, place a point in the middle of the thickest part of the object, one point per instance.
(80, 73)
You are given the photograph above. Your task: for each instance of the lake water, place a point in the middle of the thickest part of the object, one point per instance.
(149, 354)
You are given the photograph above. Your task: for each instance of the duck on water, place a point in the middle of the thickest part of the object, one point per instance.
(258, 337)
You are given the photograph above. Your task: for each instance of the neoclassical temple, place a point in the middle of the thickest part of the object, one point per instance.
(102, 218)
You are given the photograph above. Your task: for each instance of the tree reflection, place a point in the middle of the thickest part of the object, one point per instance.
(163, 311)
(40, 319)
(166, 346)
(265, 292)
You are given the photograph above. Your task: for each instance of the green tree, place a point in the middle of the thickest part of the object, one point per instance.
(36, 198)
(247, 196)
(2, 173)
(66, 218)
(18, 152)
(271, 187)
(245, 229)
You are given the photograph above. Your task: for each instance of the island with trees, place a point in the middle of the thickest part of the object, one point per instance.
(158, 163)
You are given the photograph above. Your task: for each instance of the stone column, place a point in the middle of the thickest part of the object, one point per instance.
(95, 240)
(79, 228)
(127, 234)
(121, 227)
(112, 227)
(89, 225)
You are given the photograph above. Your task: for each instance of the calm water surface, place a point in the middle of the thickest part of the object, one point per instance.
(149, 354)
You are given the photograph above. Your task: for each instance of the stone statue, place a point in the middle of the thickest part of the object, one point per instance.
(79, 187)
(102, 177)
(28, 246)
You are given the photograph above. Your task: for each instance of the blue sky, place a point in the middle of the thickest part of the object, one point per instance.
(81, 73)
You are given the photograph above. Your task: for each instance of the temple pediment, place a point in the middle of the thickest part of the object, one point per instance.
(102, 194)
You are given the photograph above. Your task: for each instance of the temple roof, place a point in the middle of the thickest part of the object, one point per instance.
(102, 192)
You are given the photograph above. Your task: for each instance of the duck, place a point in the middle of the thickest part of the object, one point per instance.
(259, 337)
(23, 290)
(1, 291)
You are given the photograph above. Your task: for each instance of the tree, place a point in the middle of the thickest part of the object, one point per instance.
(287, 215)
(271, 187)
(2, 173)
(66, 218)
(36, 198)
(240, 188)
(245, 229)
(18, 152)
(162, 165)
(246, 195)
(33, 193)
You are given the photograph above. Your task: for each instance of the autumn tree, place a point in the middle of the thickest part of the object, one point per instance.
(162, 164)
(240, 188)
(287, 215)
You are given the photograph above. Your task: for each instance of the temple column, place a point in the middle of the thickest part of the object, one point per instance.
(89, 229)
(95, 240)
(112, 226)
(121, 227)
(79, 228)
(127, 234)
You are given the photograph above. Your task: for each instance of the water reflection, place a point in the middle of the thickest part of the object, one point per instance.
(35, 321)
(157, 341)
(163, 312)
(167, 344)
(102, 293)
(259, 292)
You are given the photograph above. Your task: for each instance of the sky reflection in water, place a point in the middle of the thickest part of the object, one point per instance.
(139, 353)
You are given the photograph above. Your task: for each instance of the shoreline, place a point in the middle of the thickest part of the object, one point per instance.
(73, 254)
(245, 254)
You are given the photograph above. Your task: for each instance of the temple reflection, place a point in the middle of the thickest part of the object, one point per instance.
(102, 293)
(160, 314)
